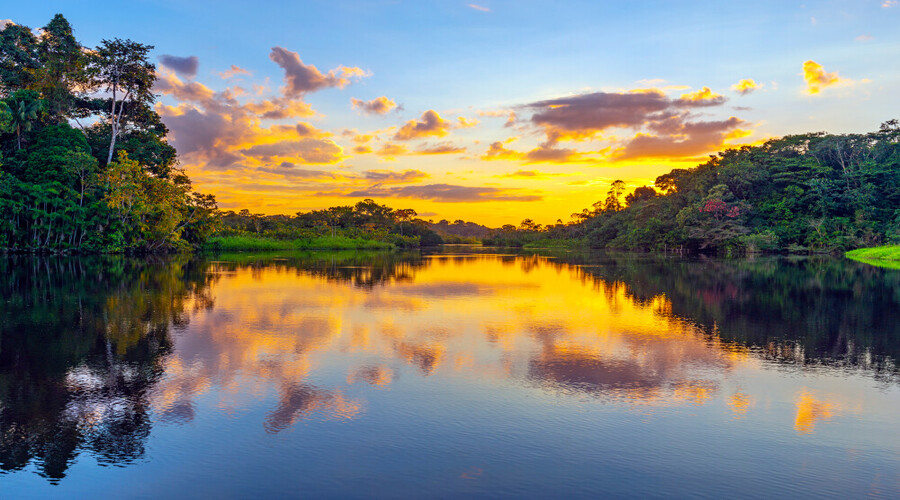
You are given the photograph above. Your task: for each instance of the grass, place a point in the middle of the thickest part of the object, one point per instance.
(258, 243)
(551, 243)
(886, 256)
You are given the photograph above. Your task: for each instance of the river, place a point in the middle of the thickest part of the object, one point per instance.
(447, 373)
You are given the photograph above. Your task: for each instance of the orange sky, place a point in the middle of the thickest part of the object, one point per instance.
(508, 112)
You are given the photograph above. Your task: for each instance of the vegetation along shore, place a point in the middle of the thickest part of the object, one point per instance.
(85, 166)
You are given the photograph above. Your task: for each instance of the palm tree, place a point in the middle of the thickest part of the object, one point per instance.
(23, 115)
(5, 118)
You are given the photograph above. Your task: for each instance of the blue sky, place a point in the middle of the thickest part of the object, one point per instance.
(474, 60)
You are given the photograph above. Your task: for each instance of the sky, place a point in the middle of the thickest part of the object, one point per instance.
(494, 111)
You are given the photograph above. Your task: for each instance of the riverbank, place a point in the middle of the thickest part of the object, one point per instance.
(886, 256)
(258, 243)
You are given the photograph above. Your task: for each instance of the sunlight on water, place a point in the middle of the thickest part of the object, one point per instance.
(450, 374)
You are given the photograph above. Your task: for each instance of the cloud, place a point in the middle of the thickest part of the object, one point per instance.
(586, 114)
(664, 126)
(198, 133)
(440, 149)
(548, 153)
(185, 66)
(817, 79)
(5, 22)
(598, 111)
(234, 71)
(746, 86)
(362, 150)
(889, 3)
(431, 124)
(702, 97)
(864, 38)
(306, 150)
(463, 122)
(378, 106)
(393, 177)
(390, 150)
(289, 169)
(447, 193)
(196, 92)
(212, 128)
(681, 140)
(497, 151)
(280, 108)
(529, 174)
(301, 79)
(306, 130)
(478, 7)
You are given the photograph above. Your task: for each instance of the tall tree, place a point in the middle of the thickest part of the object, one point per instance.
(121, 68)
(19, 58)
(62, 74)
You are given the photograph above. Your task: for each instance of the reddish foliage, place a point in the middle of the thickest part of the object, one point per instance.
(719, 208)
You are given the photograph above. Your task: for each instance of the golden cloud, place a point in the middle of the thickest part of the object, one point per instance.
(703, 97)
(745, 86)
(497, 151)
(817, 78)
(379, 106)
(440, 149)
(393, 177)
(431, 124)
(463, 122)
(391, 150)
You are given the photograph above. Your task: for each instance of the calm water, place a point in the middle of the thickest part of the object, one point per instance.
(389, 375)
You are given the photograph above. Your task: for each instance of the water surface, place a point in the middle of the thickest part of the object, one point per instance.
(450, 373)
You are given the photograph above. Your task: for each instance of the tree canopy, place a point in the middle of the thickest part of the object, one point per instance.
(85, 164)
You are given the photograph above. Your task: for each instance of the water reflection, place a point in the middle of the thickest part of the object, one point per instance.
(96, 352)
(81, 344)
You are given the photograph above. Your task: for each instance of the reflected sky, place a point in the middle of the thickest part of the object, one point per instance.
(470, 373)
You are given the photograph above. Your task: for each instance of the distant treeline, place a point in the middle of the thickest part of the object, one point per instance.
(365, 220)
(460, 231)
(814, 192)
(108, 184)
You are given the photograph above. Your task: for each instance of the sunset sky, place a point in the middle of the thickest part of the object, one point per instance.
(492, 111)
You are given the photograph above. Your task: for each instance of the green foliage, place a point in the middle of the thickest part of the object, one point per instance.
(812, 192)
(886, 256)
(60, 191)
(258, 243)
(365, 221)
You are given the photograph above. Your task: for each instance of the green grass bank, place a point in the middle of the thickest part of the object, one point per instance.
(254, 243)
(556, 243)
(886, 256)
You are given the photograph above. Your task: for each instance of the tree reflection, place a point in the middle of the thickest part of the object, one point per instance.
(806, 311)
(81, 342)
(84, 342)
(360, 268)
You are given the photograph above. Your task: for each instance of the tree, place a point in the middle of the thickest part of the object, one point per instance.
(614, 196)
(19, 59)
(121, 68)
(640, 194)
(25, 108)
(404, 215)
(5, 118)
(62, 71)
